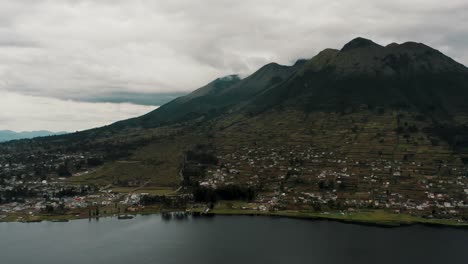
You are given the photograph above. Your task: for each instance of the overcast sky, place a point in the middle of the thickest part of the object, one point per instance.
(57, 54)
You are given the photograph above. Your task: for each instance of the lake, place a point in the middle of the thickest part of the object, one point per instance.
(226, 239)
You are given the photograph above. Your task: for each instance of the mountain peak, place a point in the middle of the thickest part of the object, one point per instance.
(228, 78)
(361, 56)
(359, 43)
(368, 71)
(300, 62)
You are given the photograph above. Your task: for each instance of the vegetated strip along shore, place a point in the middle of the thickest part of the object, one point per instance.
(370, 217)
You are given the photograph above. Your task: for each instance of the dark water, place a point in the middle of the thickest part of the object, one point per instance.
(150, 239)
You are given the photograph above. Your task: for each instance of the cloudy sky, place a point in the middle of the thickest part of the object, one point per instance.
(72, 64)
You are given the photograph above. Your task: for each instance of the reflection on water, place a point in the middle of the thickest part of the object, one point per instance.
(175, 215)
(178, 237)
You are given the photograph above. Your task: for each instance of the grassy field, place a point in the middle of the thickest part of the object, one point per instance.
(149, 190)
(373, 217)
(106, 211)
(23, 217)
(155, 164)
(377, 217)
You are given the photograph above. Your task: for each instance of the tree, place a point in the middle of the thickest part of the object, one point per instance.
(94, 162)
(317, 207)
(63, 171)
(49, 209)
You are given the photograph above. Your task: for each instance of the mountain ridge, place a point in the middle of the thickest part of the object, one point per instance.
(326, 101)
(367, 128)
(361, 73)
(358, 58)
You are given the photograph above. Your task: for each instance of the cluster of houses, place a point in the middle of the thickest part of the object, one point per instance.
(42, 166)
(49, 197)
(304, 177)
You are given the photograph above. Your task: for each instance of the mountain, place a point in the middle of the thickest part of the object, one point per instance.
(361, 73)
(6, 135)
(362, 122)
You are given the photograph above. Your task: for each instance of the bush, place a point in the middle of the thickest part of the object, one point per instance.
(228, 192)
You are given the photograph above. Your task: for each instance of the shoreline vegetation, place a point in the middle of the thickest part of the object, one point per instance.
(375, 218)
(378, 218)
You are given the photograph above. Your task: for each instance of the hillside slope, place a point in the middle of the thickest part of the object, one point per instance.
(395, 110)
(410, 75)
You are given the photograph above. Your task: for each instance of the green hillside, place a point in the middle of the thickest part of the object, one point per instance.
(364, 125)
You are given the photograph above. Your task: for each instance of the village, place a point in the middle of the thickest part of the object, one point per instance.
(31, 198)
(298, 178)
(288, 178)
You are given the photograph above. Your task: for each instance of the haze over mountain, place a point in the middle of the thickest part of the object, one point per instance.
(150, 99)
(6, 135)
(30, 113)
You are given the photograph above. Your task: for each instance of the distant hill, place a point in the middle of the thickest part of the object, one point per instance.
(6, 135)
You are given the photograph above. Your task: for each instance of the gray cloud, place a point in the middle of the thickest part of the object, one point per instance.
(136, 98)
(66, 48)
(82, 49)
(58, 115)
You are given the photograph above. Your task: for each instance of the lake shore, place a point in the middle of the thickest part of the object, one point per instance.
(372, 218)
(180, 238)
(369, 217)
